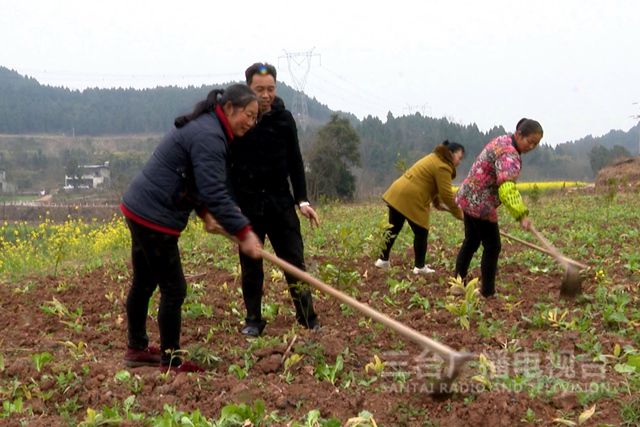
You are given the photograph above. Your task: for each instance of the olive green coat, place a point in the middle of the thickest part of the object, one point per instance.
(427, 181)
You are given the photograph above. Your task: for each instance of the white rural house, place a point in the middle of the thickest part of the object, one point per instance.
(89, 176)
(6, 187)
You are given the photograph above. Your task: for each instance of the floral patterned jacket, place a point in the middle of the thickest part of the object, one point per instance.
(498, 162)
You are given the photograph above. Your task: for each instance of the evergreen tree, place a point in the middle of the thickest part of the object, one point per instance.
(332, 155)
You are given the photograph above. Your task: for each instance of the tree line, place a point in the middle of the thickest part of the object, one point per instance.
(346, 157)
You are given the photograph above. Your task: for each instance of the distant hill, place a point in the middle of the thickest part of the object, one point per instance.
(26, 106)
(629, 140)
(130, 122)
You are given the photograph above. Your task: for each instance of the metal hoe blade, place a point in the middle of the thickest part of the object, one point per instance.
(572, 282)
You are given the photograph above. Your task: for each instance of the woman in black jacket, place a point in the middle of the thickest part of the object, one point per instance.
(187, 171)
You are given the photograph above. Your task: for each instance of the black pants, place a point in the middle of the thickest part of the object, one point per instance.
(282, 227)
(420, 236)
(478, 231)
(156, 263)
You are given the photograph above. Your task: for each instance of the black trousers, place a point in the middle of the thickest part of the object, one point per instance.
(420, 236)
(156, 263)
(477, 231)
(282, 227)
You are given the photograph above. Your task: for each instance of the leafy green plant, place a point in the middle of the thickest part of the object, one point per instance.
(534, 194)
(340, 276)
(66, 380)
(67, 408)
(530, 417)
(582, 418)
(239, 371)
(396, 285)
(204, 356)
(314, 419)
(487, 370)
(76, 351)
(108, 416)
(171, 417)
(112, 415)
(364, 419)
(614, 315)
(270, 310)
(418, 300)
(12, 407)
(195, 310)
(463, 301)
(376, 366)
(41, 359)
(134, 382)
(557, 319)
(289, 362)
(488, 328)
(327, 372)
(242, 414)
(630, 412)
(174, 354)
(57, 308)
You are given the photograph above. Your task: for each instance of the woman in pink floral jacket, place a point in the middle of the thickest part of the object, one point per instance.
(491, 182)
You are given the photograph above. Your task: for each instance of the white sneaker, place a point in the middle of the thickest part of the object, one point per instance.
(380, 263)
(423, 270)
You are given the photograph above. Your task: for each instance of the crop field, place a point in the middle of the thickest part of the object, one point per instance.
(539, 359)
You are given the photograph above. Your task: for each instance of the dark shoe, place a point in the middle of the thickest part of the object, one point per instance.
(150, 356)
(314, 325)
(183, 367)
(253, 328)
(251, 331)
(487, 293)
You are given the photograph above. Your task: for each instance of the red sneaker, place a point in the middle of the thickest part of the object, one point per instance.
(150, 356)
(183, 367)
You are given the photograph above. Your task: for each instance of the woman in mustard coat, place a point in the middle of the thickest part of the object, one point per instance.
(410, 197)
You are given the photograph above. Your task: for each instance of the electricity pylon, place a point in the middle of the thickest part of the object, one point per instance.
(299, 64)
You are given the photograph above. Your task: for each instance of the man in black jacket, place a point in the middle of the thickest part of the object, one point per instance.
(263, 162)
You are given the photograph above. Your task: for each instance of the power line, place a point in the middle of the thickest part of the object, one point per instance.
(342, 90)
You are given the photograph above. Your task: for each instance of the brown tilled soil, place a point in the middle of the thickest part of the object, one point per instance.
(27, 330)
(623, 173)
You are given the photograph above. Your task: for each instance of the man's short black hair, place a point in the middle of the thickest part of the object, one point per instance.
(259, 68)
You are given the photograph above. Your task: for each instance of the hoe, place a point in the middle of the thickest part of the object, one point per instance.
(454, 360)
(572, 281)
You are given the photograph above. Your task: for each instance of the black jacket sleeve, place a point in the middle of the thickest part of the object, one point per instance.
(295, 162)
(208, 157)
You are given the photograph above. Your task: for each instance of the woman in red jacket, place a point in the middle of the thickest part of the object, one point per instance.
(491, 182)
(186, 172)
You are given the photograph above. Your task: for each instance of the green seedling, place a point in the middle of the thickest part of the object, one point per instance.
(364, 419)
(582, 418)
(463, 301)
(41, 359)
(326, 372)
(487, 371)
(376, 366)
(134, 382)
(314, 419)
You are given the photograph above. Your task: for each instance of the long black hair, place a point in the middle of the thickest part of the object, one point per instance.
(528, 126)
(238, 94)
(453, 146)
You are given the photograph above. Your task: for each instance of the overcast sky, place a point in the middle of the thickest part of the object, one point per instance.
(574, 65)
